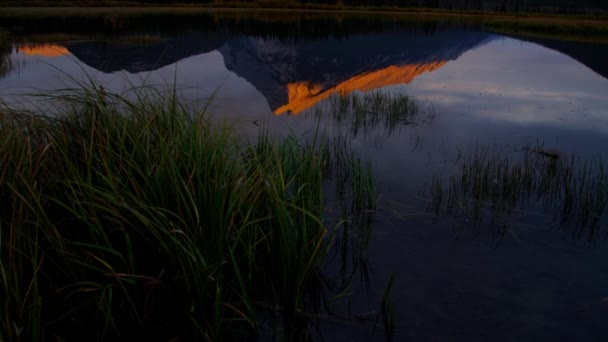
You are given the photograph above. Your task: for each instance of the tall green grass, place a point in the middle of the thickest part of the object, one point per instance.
(135, 217)
(498, 188)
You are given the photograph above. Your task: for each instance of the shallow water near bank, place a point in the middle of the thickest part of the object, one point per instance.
(454, 281)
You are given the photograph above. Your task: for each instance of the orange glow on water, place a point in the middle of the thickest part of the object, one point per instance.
(303, 95)
(44, 50)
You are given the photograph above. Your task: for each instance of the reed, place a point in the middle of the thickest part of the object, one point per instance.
(388, 312)
(136, 217)
(375, 111)
(496, 187)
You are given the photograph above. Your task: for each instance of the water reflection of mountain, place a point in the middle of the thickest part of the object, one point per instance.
(292, 76)
(285, 71)
(137, 56)
(295, 74)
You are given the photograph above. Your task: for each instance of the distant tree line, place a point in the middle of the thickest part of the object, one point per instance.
(562, 6)
(558, 6)
(485, 5)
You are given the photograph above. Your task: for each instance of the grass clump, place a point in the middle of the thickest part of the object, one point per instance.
(124, 219)
(375, 111)
(496, 188)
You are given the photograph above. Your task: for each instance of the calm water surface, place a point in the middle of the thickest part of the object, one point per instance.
(475, 88)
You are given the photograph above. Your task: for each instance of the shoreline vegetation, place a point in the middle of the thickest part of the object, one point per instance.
(576, 27)
(134, 217)
(478, 7)
(43, 6)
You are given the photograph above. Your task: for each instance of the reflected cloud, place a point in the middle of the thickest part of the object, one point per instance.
(536, 86)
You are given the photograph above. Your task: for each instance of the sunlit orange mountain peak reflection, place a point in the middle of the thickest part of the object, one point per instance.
(44, 50)
(303, 94)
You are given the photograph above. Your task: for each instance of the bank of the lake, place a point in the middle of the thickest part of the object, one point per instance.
(556, 26)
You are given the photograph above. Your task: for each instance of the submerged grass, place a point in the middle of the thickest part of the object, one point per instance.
(388, 312)
(136, 217)
(495, 188)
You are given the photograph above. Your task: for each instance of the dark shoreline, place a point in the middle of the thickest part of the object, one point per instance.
(561, 27)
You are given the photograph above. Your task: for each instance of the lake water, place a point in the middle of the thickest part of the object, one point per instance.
(476, 90)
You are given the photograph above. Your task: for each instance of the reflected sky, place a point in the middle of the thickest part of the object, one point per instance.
(520, 83)
(502, 81)
(199, 78)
